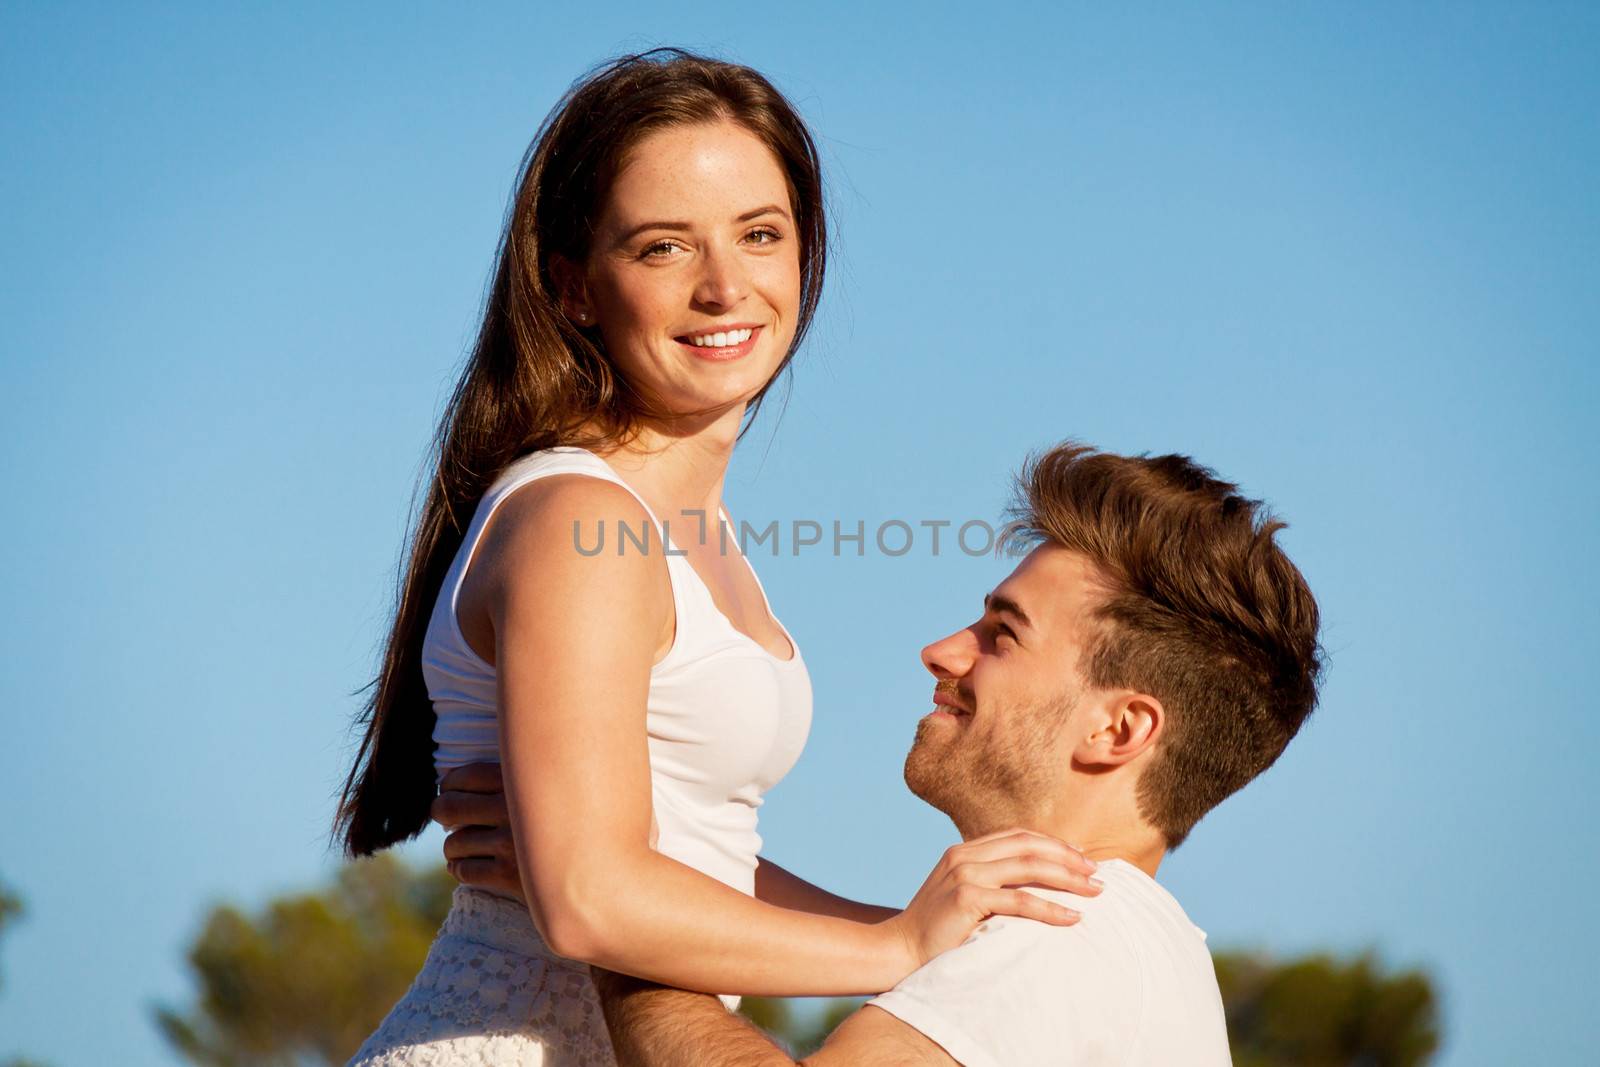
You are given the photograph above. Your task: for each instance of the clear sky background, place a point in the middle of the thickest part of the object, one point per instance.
(1346, 254)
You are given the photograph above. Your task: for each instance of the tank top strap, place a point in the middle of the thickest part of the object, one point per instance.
(573, 460)
(546, 464)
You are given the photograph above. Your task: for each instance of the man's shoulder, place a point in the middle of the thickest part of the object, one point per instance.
(1026, 965)
(1130, 901)
(1130, 979)
(1134, 945)
(1132, 911)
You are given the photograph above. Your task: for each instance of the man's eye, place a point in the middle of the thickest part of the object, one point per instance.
(1004, 631)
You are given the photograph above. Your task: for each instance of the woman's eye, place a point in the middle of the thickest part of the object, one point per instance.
(764, 236)
(657, 250)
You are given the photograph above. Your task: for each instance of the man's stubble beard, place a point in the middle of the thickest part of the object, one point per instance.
(988, 785)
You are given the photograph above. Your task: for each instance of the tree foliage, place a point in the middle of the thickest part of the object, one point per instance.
(308, 978)
(1322, 1012)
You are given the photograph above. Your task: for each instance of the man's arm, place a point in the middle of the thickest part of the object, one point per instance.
(873, 1036)
(654, 1026)
(657, 1026)
(787, 890)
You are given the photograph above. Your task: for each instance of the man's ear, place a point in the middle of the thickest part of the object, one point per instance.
(1126, 724)
(572, 292)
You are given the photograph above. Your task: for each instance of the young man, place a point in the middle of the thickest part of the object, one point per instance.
(1153, 653)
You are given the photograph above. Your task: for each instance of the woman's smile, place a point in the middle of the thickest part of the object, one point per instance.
(722, 345)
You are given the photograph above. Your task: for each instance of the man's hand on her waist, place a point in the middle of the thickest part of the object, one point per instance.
(480, 850)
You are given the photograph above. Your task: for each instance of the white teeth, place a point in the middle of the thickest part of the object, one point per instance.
(721, 340)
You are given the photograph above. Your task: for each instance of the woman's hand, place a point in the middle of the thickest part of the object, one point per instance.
(969, 885)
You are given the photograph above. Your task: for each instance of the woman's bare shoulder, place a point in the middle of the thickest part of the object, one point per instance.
(571, 531)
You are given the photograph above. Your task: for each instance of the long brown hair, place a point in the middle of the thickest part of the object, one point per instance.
(535, 380)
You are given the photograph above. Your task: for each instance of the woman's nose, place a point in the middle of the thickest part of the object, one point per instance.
(723, 283)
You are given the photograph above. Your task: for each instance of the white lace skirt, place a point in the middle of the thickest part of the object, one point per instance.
(492, 994)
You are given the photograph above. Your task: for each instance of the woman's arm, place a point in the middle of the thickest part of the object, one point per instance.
(787, 890)
(574, 638)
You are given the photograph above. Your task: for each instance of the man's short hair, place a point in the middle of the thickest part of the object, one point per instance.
(1202, 610)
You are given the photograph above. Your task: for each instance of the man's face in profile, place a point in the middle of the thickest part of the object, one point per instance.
(999, 741)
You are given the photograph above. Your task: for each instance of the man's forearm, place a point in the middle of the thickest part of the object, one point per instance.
(656, 1026)
(775, 885)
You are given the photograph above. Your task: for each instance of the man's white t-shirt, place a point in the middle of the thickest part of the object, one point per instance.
(1131, 984)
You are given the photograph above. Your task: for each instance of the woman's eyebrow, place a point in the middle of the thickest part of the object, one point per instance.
(680, 227)
(643, 226)
(770, 209)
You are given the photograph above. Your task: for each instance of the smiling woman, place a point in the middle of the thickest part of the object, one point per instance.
(662, 260)
(694, 292)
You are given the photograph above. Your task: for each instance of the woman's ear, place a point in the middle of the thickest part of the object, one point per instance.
(571, 291)
(1127, 725)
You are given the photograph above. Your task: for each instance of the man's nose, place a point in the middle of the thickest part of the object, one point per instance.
(722, 283)
(951, 657)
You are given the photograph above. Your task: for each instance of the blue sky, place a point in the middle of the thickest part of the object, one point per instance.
(1347, 255)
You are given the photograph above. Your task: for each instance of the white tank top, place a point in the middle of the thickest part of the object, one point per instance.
(726, 719)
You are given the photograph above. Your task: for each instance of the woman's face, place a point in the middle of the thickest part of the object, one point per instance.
(694, 274)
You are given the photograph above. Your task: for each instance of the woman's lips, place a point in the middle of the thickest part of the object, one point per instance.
(723, 353)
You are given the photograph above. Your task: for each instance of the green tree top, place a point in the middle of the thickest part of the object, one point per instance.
(1323, 1012)
(307, 979)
